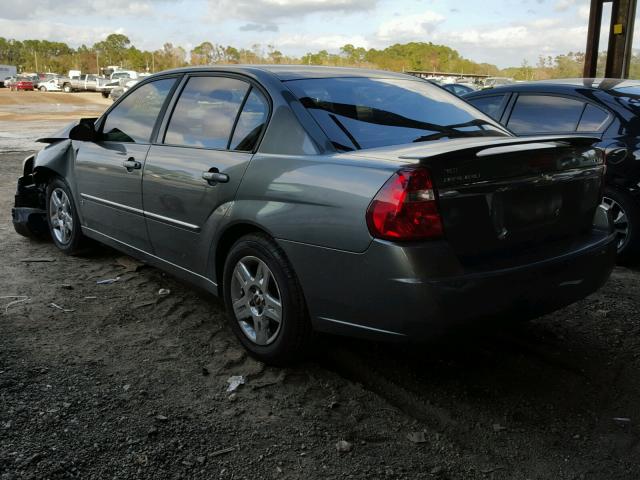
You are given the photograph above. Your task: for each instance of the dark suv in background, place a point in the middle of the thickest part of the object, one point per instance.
(606, 108)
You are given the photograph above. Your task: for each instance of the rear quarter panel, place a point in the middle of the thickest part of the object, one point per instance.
(314, 199)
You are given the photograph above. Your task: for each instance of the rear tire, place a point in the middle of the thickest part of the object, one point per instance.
(626, 217)
(67, 89)
(62, 218)
(43, 89)
(261, 287)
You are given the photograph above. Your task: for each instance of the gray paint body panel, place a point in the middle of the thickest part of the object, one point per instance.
(310, 199)
(182, 210)
(100, 173)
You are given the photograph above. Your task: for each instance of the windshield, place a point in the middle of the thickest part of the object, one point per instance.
(358, 113)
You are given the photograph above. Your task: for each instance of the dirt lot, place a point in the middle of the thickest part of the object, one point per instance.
(115, 381)
(25, 116)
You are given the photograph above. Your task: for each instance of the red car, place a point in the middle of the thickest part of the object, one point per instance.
(22, 84)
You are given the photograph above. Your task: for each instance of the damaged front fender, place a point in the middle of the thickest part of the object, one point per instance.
(29, 211)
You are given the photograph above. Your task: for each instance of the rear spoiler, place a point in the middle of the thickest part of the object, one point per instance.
(64, 133)
(483, 146)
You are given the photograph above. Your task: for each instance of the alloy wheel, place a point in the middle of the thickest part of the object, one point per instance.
(61, 216)
(620, 221)
(256, 300)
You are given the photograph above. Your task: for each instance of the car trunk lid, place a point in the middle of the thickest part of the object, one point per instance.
(510, 197)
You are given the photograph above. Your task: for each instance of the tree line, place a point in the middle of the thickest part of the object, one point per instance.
(117, 49)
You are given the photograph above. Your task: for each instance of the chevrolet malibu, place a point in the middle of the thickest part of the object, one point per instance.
(346, 201)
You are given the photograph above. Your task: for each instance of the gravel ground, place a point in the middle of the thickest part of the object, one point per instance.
(116, 381)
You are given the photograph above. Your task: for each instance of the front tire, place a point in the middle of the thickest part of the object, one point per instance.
(265, 303)
(62, 217)
(43, 89)
(67, 89)
(625, 213)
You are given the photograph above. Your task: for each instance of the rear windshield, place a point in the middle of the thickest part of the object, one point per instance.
(361, 112)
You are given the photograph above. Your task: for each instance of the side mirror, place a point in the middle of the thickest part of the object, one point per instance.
(84, 132)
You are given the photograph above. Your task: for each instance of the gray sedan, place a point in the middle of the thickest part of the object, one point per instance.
(348, 201)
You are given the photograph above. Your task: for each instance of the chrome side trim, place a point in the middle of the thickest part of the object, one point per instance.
(112, 204)
(161, 218)
(137, 211)
(378, 330)
(150, 255)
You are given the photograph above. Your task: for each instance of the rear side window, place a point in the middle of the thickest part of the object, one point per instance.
(545, 114)
(133, 119)
(491, 105)
(593, 119)
(360, 112)
(206, 112)
(250, 123)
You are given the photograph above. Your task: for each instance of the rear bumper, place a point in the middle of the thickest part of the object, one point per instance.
(415, 292)
(524, 292)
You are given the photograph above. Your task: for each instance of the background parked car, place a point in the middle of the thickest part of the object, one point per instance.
(492, 82)
(118, 91)
(50, 85)
(458, 89)
(606, 108)
(9, 81)
(22, 83)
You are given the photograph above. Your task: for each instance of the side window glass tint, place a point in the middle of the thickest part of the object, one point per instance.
(593, 119)
(492, 105)
(205, 112)
(251, 122)
(543, 113)
(133, 119)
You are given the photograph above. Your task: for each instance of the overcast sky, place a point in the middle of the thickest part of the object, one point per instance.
(503, 32)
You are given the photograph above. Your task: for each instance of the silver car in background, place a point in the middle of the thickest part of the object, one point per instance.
(347, 201)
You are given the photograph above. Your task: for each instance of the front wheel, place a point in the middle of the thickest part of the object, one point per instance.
(625, 213)
(64, 223)
(43, 89)
(265, 304)
(67, 89)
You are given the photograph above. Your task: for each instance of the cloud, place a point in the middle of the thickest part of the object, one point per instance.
(563, 5)
(259, 27)
(54, 31)
(257, 11)
(409, 27)
(511, 44)
(504, 45)
(325, 42)
(25, 9)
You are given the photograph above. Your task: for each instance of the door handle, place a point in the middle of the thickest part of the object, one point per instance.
(214, 177)
(131, 164)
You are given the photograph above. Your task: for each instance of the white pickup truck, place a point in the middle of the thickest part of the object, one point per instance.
(85, 83)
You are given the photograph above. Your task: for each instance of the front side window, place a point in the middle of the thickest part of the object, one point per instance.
(360, 112)
(491, 105)
(206, 112)
(545, 114)
(133, 119)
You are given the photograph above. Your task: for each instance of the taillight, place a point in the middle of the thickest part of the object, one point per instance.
(405, 208)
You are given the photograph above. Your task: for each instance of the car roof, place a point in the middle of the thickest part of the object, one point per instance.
(564, 85)
(296, 72)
